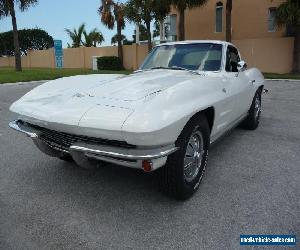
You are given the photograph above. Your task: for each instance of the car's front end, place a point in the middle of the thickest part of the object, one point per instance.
(84, 148)
(122, 127)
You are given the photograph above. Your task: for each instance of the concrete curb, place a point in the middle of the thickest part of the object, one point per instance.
(22, 83)
(283, 80)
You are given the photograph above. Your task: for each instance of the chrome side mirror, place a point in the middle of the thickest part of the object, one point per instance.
(242, 66)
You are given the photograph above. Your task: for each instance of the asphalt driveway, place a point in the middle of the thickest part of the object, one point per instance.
(252, 186)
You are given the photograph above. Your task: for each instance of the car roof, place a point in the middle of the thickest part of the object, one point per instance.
(197, 41)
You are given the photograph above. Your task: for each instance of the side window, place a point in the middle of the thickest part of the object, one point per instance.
(232, 59)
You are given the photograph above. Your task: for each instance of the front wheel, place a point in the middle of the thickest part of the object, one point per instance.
(182, 174)
(252, 120)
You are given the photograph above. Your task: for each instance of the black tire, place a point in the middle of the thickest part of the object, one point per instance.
(172, 177)
(66, 157)
(252, 120)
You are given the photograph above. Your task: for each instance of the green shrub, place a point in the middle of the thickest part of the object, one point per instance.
(109, 63)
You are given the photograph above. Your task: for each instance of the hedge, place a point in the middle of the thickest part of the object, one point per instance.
(109, 63)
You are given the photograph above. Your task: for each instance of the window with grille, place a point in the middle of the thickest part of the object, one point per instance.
(219, 17)
(272, 20)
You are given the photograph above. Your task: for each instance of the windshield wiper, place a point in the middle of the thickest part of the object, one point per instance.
(177, 68)
(173, 68)
(170, 68)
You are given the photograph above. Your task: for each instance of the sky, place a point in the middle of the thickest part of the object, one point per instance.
(56, 15)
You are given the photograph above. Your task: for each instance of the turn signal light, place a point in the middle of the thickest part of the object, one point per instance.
(147, 166)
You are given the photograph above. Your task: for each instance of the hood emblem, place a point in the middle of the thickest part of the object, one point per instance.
(80, 95)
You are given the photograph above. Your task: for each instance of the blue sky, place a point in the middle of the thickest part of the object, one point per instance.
(56, 15)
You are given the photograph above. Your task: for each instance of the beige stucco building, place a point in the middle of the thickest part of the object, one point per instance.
(251, 19)
(254, 31)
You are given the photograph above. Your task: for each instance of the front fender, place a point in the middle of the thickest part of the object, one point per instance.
(255, 74)
(161, 120)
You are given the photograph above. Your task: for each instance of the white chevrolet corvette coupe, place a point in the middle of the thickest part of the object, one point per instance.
(162, 117)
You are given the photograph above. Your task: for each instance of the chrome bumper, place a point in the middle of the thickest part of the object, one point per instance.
(82, 151)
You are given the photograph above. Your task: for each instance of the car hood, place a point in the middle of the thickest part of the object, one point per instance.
(75, 100)
(136, 86)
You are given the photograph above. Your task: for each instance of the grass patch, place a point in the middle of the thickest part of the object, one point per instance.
(282, 76)
(9, 75)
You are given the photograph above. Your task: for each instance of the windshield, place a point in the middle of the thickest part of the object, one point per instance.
(197, 56)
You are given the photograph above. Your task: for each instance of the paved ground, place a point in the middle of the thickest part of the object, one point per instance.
(252, 186)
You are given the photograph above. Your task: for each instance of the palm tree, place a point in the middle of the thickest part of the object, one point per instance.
(93, 38)
(143, 33)
(7, 7)
(181, 6)
(138, 11)
(228, 20)
(161, 10)
(76, 35)
(288, 13)
(112, 13)
(115, 39)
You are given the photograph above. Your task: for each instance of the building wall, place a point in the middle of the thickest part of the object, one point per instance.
(81, 57)
(274, 55)
(249, 20)
(37, 59)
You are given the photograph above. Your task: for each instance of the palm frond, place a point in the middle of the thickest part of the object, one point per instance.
(106, 13)
(76, 35)
(288, 13)
(25, 4)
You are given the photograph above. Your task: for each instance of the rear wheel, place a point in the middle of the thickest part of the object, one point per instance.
(253, 118)
(182, 174)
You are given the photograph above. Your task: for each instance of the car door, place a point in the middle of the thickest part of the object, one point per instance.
(238, 83)
(242, 83)
(229, 89)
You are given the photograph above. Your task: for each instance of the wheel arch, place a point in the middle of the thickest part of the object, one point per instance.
(209, 113)
(260, 88)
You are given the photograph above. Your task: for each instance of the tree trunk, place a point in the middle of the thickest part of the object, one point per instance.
(120, 49)
(18, 65)
(161, 31)
(181, 29)
(296, 57)
(228, 20)
(148, 25)
(137, 33)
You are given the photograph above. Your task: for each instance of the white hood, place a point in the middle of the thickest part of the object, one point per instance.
(80, 100)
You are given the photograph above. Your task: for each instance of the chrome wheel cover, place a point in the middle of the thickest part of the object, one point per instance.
(257, 107)
(193, 156)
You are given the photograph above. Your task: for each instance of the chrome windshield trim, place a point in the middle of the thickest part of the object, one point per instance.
(166, 68)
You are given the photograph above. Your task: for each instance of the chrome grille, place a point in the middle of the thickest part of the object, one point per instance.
(63, 141)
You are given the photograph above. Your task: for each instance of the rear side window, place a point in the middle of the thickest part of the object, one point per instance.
(232, 59)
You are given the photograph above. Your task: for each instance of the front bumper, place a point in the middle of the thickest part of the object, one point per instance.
(83, 151)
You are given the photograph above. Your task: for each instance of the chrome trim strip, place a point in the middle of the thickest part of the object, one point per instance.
(130, 154)
(15, 125)
(131, 164)
(229, 128)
